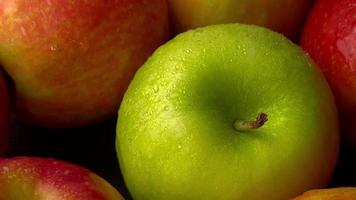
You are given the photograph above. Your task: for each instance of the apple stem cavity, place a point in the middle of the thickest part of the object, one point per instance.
(248, 125)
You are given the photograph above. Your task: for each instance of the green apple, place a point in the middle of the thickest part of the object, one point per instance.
(227, 112)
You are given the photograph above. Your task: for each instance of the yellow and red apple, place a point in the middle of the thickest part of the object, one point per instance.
(340, 193)
(43, 179)
(71, 61)
(285, 16)
(4, 115)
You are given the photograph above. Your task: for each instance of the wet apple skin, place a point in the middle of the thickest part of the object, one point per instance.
(175, 134)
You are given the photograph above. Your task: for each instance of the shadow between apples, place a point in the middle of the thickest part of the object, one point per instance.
(92, 147)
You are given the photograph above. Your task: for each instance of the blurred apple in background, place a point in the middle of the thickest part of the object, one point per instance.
(340, 193)
(329, 37)
(190, 124)
(33, 178)
(4, 115)
(285, 16)
(71, 61)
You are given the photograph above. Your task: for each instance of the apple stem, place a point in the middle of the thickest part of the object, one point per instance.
(247, 125)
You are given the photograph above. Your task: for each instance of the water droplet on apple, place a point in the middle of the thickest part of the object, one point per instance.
(53, 47)
(179, 146)
(176, 67)
(165, 108)
(155, 89)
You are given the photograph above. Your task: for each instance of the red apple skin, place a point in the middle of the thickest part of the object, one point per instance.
(43, 178)
(329, 36)
(4, 116)
(71, 61)
(340, 193)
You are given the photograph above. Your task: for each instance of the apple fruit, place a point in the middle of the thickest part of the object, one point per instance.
(34, 178)
(192, 124)
(285, 16)
(329, 36)
(339, 193)
(71, 61)
(4, 115)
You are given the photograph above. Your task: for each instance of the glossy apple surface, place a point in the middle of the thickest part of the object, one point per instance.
(180, 133)
(71, 61)
(285, 16)
(43, 179)
(341, 193)
(4, 115)
(329, 37)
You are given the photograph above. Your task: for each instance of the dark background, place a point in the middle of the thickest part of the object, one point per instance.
(92, 147)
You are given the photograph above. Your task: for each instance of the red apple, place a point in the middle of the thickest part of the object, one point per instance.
(4, 115)
(329, 37)
(71, 61)
(43, 179)
(285, 16)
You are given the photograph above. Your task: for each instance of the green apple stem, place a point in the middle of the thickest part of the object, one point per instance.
(248, 125)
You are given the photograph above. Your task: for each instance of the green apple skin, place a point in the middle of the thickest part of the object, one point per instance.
(285, 16)
(175, 133)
